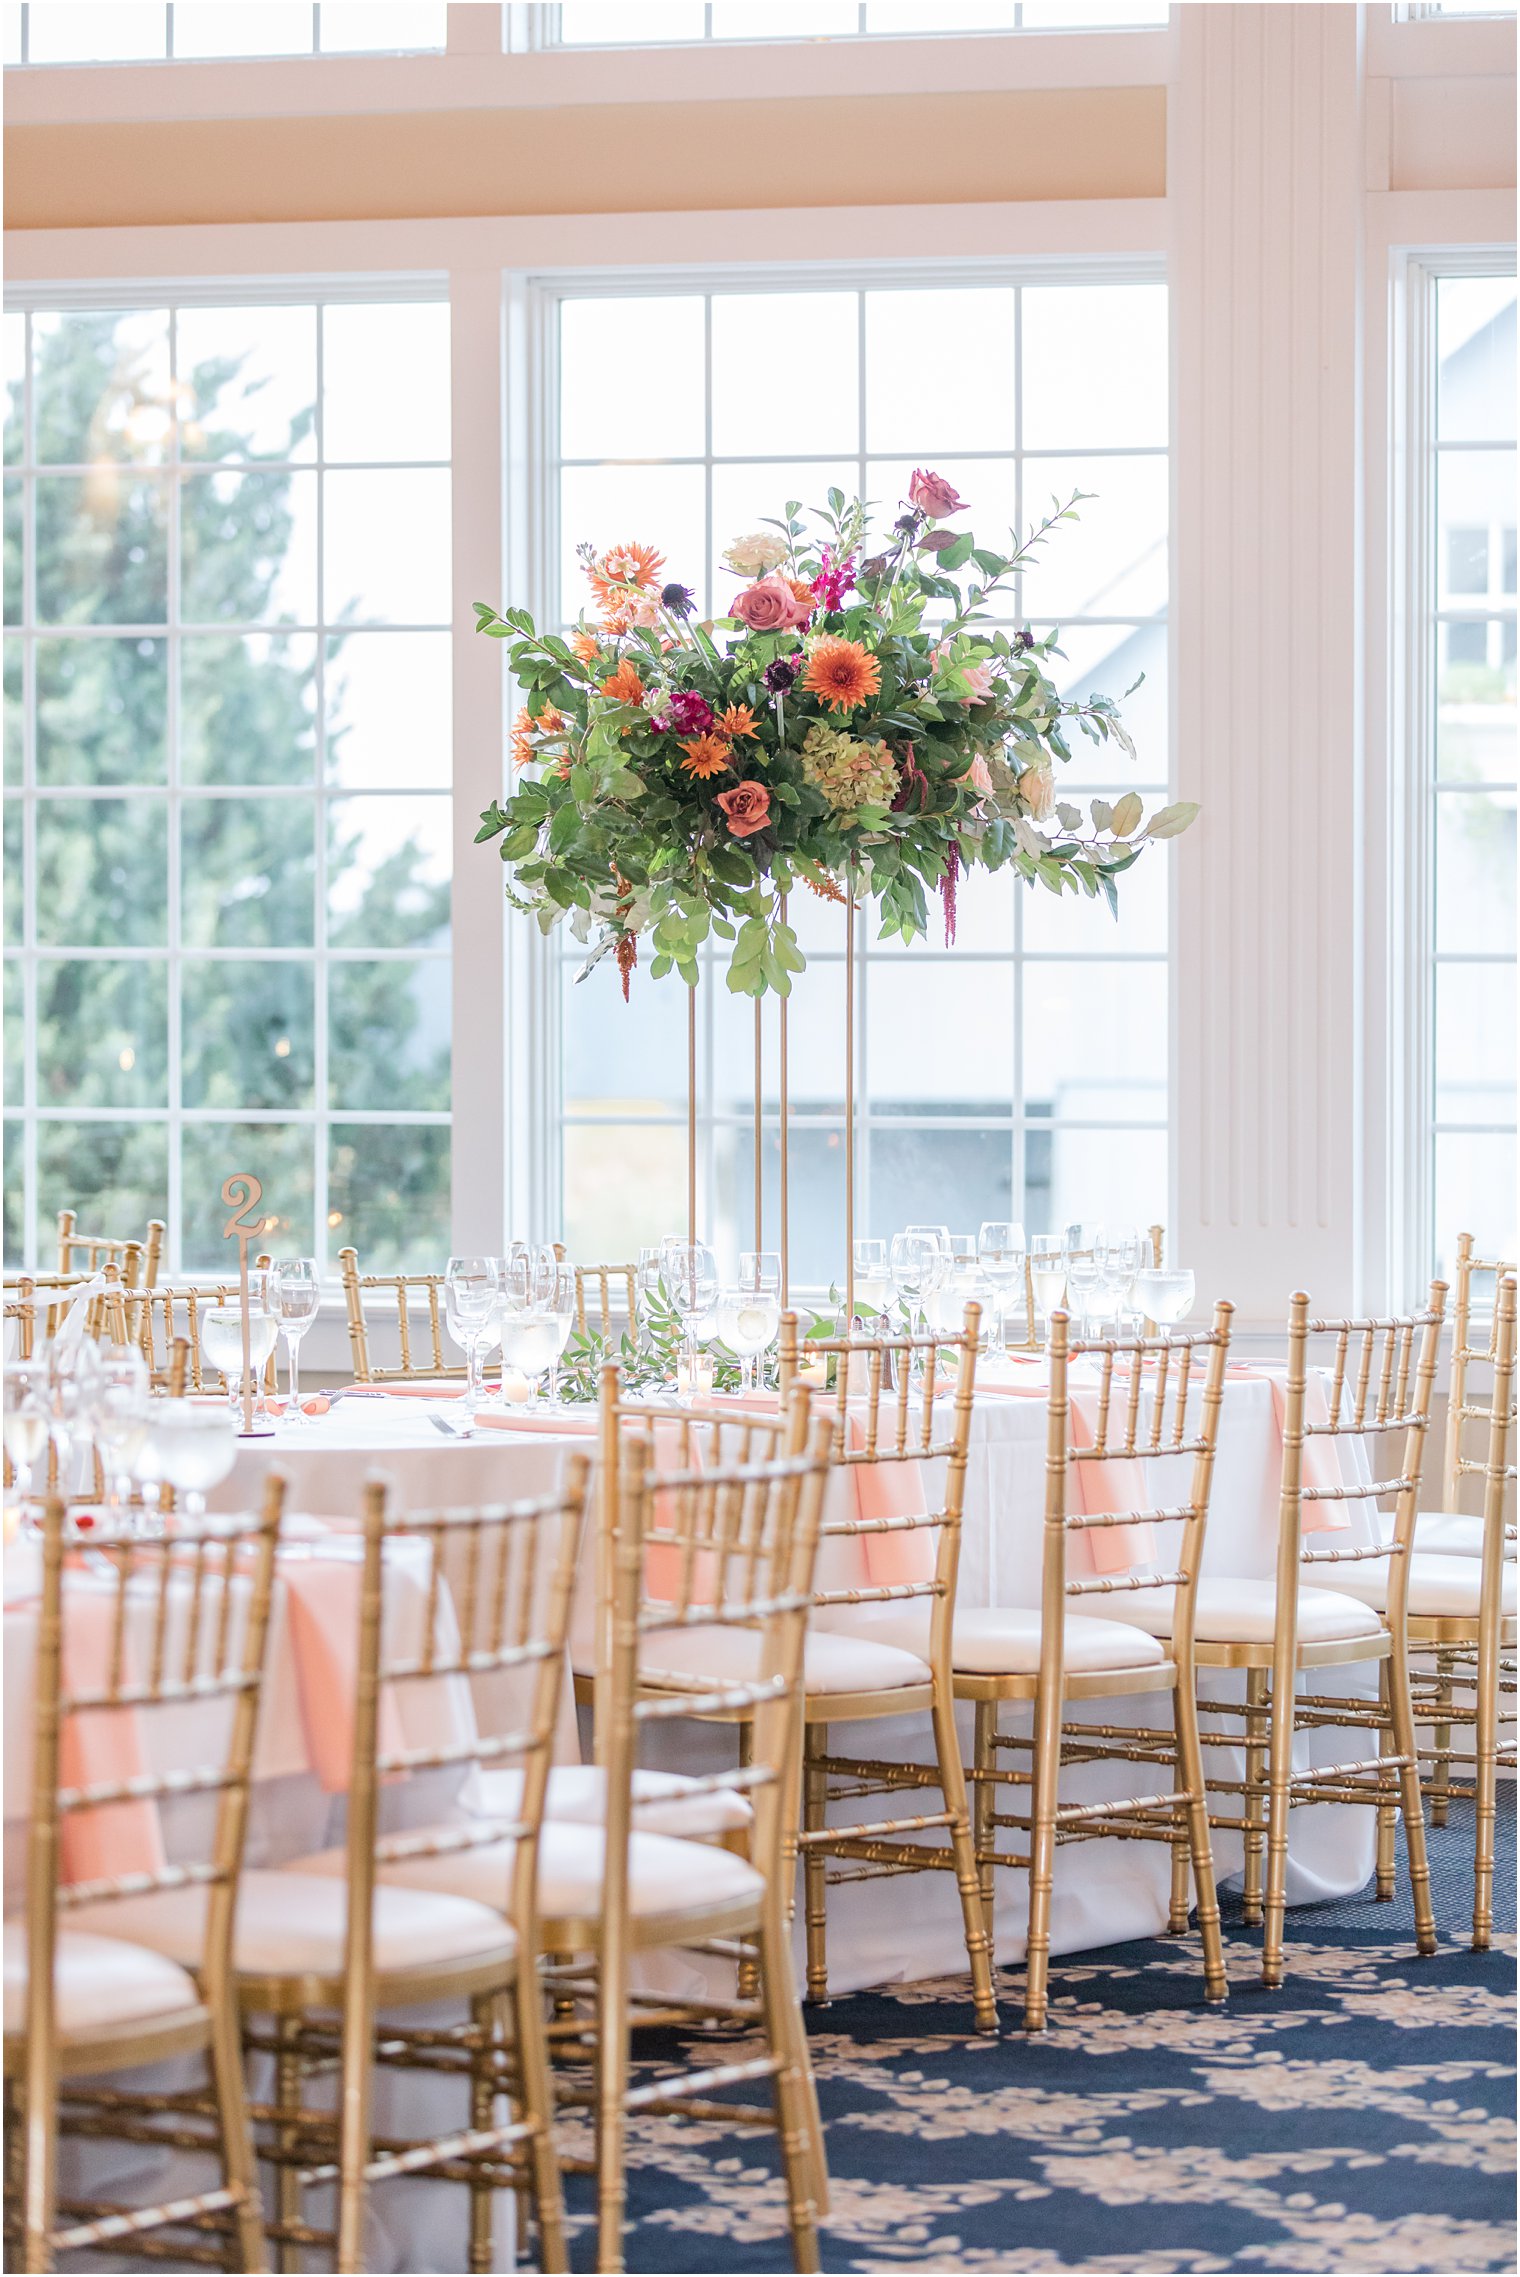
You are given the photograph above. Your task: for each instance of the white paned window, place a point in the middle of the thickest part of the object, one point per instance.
(123, 31)
(227, 768)
(1024, 1072)
(661, 23)
(1472, 766)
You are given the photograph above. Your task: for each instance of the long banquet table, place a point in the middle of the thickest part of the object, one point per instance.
(1106, 1891)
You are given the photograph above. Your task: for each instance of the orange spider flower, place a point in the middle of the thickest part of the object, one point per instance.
(625, 686)
(525, 727)
(841, 674)
(737, 721)
(705, 755)
(585, 644)
(622, 566)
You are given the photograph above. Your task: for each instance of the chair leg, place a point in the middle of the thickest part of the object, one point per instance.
(983, 1804)
(1385, 1883)
(482, 2115)
(1197, 1851)
(1279, 1803)
(1255, 1794)
(1409, 1783)
(1044, 1797)
(288, 2076)
(802, 2153)
(39, 2174)
(536, 2085)
(747, 1978)
(612, 2061)
(952, 1779)
(1440, 1783)
(225, 2063)
(1485, 1785)
(815, 1744)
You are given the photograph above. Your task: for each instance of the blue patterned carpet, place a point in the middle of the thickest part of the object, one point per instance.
(1361, 2119)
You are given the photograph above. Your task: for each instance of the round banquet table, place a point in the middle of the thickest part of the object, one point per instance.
(1105, 1891)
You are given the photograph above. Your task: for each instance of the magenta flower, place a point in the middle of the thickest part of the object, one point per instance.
(834, 580)
(687, 713)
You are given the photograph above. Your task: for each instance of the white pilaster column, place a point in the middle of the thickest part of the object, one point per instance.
(1265, 187)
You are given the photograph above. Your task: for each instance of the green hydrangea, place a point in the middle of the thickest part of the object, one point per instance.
(848, 773)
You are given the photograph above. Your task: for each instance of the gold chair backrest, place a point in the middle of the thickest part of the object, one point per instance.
(1029, 1316)
(874, 1418)
(511, 1613)
(1499, 1471)
(612, 1289)
(1382, 1377)
(1153, 1396)
(741, 1540)
(87, 1253)
(174, 1311)
(409, 1294)
(1474, 1333)
(182, 1623)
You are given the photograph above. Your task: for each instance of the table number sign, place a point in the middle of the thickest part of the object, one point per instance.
(242, 1194)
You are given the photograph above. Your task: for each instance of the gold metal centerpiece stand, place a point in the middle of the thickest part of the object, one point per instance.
(242, 1195)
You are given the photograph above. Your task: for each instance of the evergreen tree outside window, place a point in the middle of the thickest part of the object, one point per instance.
(227, 765)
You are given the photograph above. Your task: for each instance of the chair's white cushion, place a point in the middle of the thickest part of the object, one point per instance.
(578, 1797)
(99, 1983)
(1004, 1640)
(663, 1875)
(833, 1663)
(1450, 1534)
(1437, 1585)
(294, 1924)
(1241, 1612)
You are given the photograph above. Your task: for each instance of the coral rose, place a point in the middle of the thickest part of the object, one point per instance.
(770, 606)
(746, 808)
(979, 775)
(933, 496)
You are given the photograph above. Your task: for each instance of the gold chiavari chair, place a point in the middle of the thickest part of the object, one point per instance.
(86, 1253)
(1451, 1531)
(1381, 1374)
(1024, 1314)
(882, 1648)
(409, 1293)
(173, 1312)
(1052, 1658)
(614, 1291)
(176, 1625)
(21, 1307)
(1460, 1621)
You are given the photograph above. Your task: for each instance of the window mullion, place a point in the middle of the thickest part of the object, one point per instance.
(174, 801)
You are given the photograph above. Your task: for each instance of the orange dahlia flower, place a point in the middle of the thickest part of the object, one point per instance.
(621, 566)
(737, 721)
(625, 686)
(705, 755)
(841, 674)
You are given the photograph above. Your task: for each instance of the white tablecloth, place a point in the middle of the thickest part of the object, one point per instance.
(1106, 1892)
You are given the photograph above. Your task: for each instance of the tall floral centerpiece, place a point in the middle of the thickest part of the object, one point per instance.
(854, 723)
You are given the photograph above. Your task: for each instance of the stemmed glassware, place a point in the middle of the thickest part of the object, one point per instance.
(297, 1293)
(760, 1274)
(692, 1273)
(123, 1404)
(222, 1341)
(472, 1293)
(1000, 1254)
(917, 1265)
(27, 1416)
(192, 1448)
(1165, 1293)
(873, 1280)
(1047, 1273)
(749, 1312)
(561, 1302)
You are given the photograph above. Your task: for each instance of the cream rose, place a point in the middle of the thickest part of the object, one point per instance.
(1037, 788)
(754, 554)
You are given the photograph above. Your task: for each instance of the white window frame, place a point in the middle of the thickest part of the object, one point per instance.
(1413, 966)
(174, 1118)
(136, 62)
(540, 28)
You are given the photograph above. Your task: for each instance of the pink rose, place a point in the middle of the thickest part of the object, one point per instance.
(980, 775)
(770, 606)
(978, 679)
(933, 496)
(747, 808)
(1037, 788)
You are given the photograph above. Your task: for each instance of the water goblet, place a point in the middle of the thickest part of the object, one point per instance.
(72, 1371)
(297, 1292)
(1166, 1293)
(873, 1279)
(122, 1407)
(694, 1290)
(748, 1319)
(530, 1342)
(561, 1303)
(1047, 1273)
(472, 1296)
(222, 1342)
(193, 1448)
(27, 1418)
(1000, 1254)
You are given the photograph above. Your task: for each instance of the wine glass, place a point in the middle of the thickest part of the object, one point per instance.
(72, 1372)
(873, 1280)
(748, 1319)
(561, 1303)
(1047, 1273)
(1000, 1253)
(530, 1340)
(297, 1291)
(472, 1294)
(193, 1448)
(917, 1265)
(1166, 1293)
(122, 1406)
(693, 1272)
(760, 1270)
(27, 1416)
